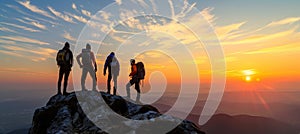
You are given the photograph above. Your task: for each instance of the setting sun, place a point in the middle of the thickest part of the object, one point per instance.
(248, 78)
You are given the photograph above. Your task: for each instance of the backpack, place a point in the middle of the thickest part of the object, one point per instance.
(62, 57)
(140, 70)
(86, 57)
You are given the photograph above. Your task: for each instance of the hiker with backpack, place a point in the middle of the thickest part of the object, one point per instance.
(64, 60)
(115, 70)
(107, 66)
(137, 74)
(88, 65)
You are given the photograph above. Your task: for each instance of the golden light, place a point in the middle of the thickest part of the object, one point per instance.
(248, 78)
(248, 72)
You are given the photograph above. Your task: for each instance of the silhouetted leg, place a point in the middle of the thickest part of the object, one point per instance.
(59, 81)
(138, 97)
(115, 79)
(137, 87)
(128, 89)
(83, 77)
(66, 77)
(108, 82)
(93, 75)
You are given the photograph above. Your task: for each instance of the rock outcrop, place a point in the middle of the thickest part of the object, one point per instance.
(91, 112)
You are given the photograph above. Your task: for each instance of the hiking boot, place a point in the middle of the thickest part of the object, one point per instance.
(59, 93)
(115, 91)
(66, 93)
(108, 91)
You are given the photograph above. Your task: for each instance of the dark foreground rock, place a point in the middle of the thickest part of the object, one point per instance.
(100, 113)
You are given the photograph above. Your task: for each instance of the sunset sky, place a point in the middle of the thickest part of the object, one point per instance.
(260, 40)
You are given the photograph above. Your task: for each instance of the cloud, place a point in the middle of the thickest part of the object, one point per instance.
(284, 21)
(74, 6)
(35, 9)
(260, 38)
(277, 49)
(24, 39)
(26, 51)
(208, 15)
(34, 23)
(21, 27)
(60, 15)
(86, 13)
(37, 24)
(224, 31)
(79, 18)
(68, 36)
(7, 42)
(119, 2)
(5, 29)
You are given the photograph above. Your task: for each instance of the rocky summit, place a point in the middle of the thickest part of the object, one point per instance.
(90, 112)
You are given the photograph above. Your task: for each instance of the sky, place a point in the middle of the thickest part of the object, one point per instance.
(260, 41)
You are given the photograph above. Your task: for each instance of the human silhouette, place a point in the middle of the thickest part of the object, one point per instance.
(88, 65)
(115, 69)
(107, 66)
(134, 80)
(64, 59)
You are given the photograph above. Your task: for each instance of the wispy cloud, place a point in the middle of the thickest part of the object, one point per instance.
(224, 31)
(74, 6)
(21, 27)
(35, 9)
(79, 18)
(68, 36)
(24, 39)
(7, 42)
(119, 2)
(33, 23)
(208, 15)
(25, 51)
(260, 38)
(5, 29)
(86, 13)
(60, 15)
(284, 21)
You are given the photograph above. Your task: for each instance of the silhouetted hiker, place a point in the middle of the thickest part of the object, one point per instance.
(88, 65)
(115, 69)
(64, 59)
(137, 74)
(107, 65)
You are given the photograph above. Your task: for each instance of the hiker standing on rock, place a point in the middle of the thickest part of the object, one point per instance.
(137, 74)
(115, 69)
(88, 65)
(107, 66)
(64, 60)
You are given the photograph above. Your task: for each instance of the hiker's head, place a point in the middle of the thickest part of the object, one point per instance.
(132, 61)
(112, 54)
(88, 46)
(67, 45)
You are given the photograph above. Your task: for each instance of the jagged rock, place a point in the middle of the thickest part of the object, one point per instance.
(89, 111)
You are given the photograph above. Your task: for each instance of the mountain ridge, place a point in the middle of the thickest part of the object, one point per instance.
(72, 114)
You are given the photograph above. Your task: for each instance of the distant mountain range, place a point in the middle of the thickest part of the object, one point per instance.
(255, 119)
(244, 124)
